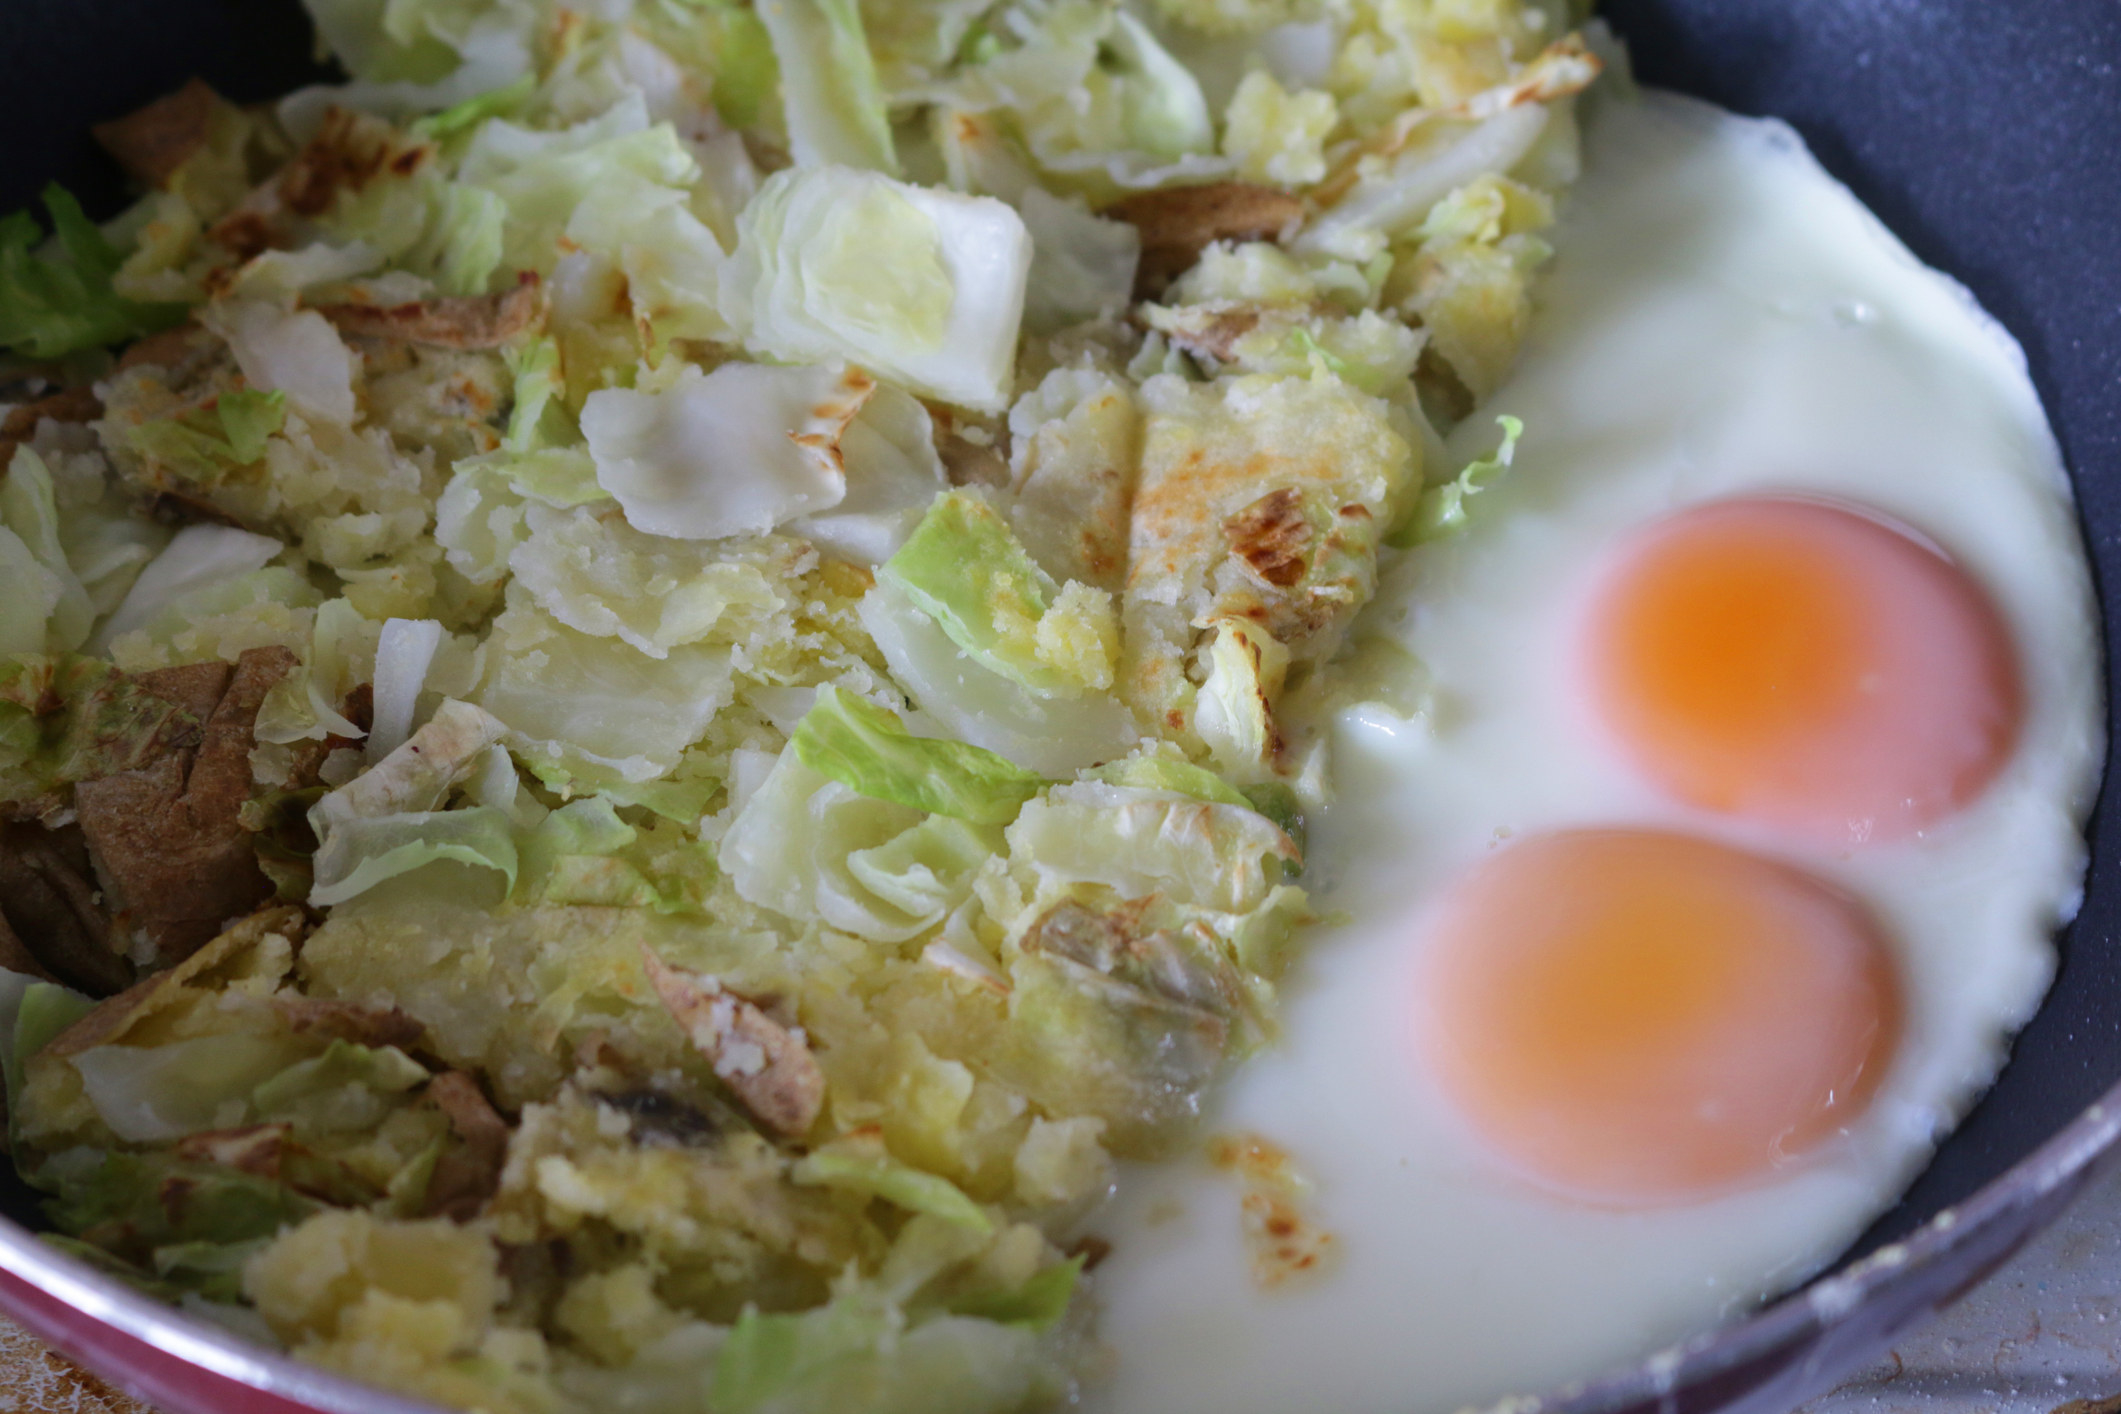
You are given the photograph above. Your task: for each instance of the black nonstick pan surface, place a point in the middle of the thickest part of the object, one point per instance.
(1986, 133)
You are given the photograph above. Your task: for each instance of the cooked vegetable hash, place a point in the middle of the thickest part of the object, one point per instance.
(661, 664)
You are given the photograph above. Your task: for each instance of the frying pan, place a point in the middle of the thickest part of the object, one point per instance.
(1986, 133)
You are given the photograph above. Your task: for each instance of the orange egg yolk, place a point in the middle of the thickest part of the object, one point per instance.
(1636, 1017)
(1805, 665)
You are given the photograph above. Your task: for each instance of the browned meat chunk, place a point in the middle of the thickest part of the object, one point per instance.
(49, 916)
(167, 838)
(1178, 223)
(468, 1176)
(66, 405)
(151, 143)
(766, 1065)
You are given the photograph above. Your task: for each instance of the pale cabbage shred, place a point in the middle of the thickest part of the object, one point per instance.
(574, 573)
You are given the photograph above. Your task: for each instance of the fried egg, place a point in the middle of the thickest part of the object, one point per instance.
(1777, 635)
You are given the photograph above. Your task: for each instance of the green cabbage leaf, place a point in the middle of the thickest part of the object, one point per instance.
(859, 744)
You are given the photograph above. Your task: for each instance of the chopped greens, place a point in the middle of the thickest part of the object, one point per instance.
(715, 714)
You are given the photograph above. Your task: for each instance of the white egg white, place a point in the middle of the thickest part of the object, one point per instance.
(1722, 318)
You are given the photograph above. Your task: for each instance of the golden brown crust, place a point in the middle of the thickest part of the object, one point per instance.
(347, 153)
(1178, 223)
(460, 322)
(1272, 536)
(151, 143)
(355, 1022)
(111, 1019)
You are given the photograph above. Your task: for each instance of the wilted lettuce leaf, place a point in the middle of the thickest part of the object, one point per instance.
(349, 1087)
(965, 569)
(1441, 511)
(1156, 771)
(152, 1094)
(32, 1014)
(835, 1359)
(1051, 735)
(1038, 1303)
(831, 99)
(860, 1163)
(810, 847)
(205, 442)
(213, 1270)
(808, 281)
(358, 854)
(43, 604)
(132, 1204)
(856, 742)
(59, 301)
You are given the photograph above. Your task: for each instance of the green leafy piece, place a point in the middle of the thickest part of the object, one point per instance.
(768, 1357)
(1038, 1303)
(213, 1270)
(858, 1355)
(1157, 772)
(1271, 799)
(1441, 512)
(964, 568)
(806, 282)
(865, 747)
(206, 442)
(32, 1013)
(833, 103)
(248, 417)
(859, 1163)
(348, 1088)
(583, 853)
(361, 852)
(43, 604)
(153, 1094)
(537, 420)
(1278, 803)
(747, 73)
(503, 102)
(56, 301)
(110, 1265)
(132, 1204)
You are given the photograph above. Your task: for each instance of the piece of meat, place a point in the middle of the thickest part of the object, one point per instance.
(468, 322)
(1210, 331)
(363, 1025)
(466, 1178)
(171, 348)
(66, 405)
(16, 957)
(1178, 223)
(167, 838)
(766, 1065)
(48, 908)
(151, 143)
